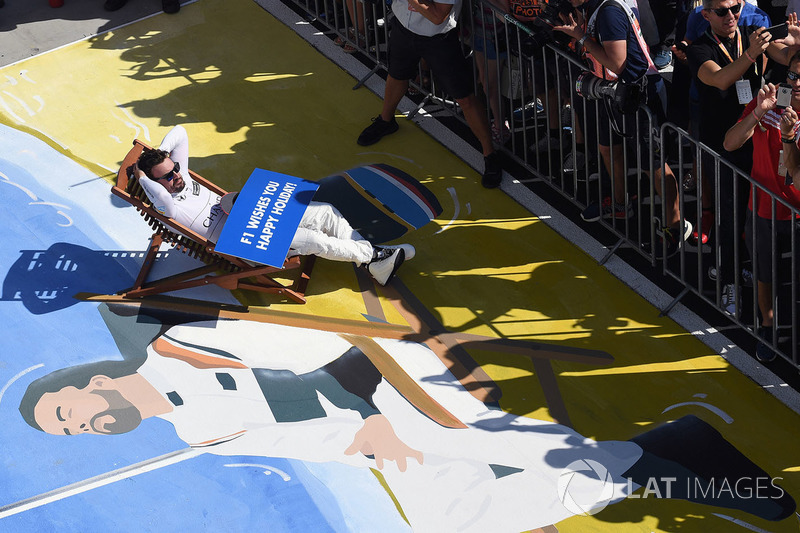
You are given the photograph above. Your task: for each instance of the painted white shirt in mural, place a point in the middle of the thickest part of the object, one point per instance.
(456, 487)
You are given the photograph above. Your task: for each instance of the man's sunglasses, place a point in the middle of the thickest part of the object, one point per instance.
(793, 75)
(723, 11)
(169, 176)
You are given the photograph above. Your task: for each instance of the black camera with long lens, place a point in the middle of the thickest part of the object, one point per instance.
(542, 27)
(624, 97)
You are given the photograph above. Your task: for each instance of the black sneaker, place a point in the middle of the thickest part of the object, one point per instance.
(377, 130)
(764, 351)
(492, 171)
(170, 6)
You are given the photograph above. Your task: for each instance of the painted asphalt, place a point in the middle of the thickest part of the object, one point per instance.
(494, 265)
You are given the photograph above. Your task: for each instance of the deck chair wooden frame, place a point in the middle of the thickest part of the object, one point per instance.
(224, 270)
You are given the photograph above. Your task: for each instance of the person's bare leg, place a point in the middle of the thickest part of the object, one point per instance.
(480, 64)
(493, 93)
(578, 130)
(392, 94)
(620, 194)
(606, 153)
(360, 15)
(553, 109)
(708, 193)
(475, 114)
(671, 205)
(765, 303)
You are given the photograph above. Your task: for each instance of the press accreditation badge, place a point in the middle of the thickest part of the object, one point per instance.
(744, 92)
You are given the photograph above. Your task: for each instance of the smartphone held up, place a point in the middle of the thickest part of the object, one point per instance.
(784, 96)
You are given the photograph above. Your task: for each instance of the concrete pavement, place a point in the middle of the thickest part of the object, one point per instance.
(30, 27)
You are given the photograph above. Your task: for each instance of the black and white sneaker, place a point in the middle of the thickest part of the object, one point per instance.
(385, 262)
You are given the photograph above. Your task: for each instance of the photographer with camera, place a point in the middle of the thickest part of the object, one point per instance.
(608, 32)
(772, 124)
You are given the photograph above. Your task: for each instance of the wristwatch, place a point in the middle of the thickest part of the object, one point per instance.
(581, 41)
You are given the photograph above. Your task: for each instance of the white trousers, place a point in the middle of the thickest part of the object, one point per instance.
(324, 232)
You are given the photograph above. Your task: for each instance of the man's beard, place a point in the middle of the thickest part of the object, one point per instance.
(182, 187)
(126, 416)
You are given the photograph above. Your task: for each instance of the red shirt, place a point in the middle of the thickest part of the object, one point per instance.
(766, 156)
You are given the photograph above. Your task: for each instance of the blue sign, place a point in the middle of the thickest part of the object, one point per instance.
(265, 217)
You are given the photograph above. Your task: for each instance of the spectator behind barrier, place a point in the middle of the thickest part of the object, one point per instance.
(356, 31)
(727, 65)
(772, 130)
(612, 39)
(490, 51)
(658, 19)
(549, 77)
(750, 15)
(694, 26)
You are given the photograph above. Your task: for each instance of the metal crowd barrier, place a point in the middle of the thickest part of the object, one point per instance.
(722, 271)
(534, 96)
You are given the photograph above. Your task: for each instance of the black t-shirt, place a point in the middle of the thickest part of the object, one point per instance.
(720, 109)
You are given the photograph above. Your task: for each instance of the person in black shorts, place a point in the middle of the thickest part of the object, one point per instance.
(424, 29)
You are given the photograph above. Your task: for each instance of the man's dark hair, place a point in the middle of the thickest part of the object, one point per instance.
(74, 376)
(151, 158)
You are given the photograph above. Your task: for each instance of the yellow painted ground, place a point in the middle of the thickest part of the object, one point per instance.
(252, 94)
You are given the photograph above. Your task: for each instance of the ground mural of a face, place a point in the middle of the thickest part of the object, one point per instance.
(95, 409)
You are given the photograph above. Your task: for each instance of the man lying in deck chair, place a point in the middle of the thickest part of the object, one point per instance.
(323, 231)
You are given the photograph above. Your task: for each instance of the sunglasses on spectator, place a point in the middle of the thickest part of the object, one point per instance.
(169, 176)
(723, 11)
(793, 75)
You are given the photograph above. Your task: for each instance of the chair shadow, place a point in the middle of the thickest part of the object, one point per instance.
(47, 280)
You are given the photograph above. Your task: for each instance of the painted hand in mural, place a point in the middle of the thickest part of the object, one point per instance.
(378, 438)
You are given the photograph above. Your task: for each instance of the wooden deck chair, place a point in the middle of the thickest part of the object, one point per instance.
(223, 270)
